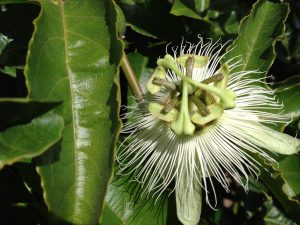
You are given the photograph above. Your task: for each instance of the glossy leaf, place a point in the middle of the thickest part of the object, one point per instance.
(30, 140)
(73, 57)
(125, 206)
(258, 34)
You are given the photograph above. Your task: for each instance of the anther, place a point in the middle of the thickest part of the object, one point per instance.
(165, 83)
(169, 102)
(189, 65)
(214, 78)
(205, 96)
(202, 108)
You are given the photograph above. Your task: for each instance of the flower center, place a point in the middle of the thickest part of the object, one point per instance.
(188, 105)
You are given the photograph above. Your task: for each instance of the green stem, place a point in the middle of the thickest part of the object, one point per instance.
(131, 79)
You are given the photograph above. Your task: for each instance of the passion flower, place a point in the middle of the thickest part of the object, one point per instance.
(199, 120)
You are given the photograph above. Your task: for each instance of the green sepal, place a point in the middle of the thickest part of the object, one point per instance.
(188, 201)
(200, 61)
(159, 72)
(156, 110)
(273, 140)
(215, 112)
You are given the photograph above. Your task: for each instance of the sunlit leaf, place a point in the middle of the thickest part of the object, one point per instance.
(73, 57)
(258, 34)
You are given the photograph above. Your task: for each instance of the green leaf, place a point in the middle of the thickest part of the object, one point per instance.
(258, 33)
(256, 186)
(73, 57)
(289, 168)
(288, 93)
(201, 5)
(255, 45)
(9, 70)
(141, 31)
(21, 111)
(274, 216)
(286, 84)
(179, 8)
(281, 181)
(3, 42)
(125, 206)
(30, 140)
(231, 24)
(183, 8)
(121, 21)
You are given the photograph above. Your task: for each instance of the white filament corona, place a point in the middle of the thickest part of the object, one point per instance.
(156, 156)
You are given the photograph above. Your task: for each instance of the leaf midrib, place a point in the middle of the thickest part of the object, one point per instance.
(62, 11)
(258, 28)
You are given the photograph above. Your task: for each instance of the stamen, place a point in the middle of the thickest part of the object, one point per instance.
(227, 96)
(189, 65)
(214, 78)
(168, 104)
(165, 83)
(202, 108)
